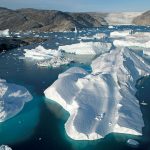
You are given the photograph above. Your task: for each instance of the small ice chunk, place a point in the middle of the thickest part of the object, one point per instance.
(5, 147)
(144, 104)
(132, 143)
(4, 33)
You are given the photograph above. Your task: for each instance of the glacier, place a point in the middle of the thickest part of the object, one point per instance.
(103, 101)
(86, 48)
(12, 99)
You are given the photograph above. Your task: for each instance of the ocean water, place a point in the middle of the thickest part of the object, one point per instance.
(40, 125)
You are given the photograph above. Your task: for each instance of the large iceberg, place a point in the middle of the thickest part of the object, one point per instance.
(12, 99)
(40, 53)
(87, 48)
(103, 101)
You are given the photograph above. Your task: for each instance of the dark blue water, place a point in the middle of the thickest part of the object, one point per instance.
(40, 125)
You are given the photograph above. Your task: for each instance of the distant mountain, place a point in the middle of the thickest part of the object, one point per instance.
(143, 19)
(46, 20)
(53, 20)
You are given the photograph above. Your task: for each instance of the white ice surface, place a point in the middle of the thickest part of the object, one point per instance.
(12, 99)
(103, 101)
(87, 48)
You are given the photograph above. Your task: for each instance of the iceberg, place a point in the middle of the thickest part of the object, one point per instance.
(103, 101)
(12, 99)
(40, 53)
(86, 48)
(4, 33)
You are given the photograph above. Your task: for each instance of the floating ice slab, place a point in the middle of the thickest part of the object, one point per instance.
(101, 102)
(40, 53)
(12, 99)
(87, 48)
(4, 33)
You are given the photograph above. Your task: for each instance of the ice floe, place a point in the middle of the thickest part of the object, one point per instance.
(103, 101)
(86, 48)
(12, 99)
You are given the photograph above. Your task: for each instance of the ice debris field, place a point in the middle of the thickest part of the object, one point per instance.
(99, 102)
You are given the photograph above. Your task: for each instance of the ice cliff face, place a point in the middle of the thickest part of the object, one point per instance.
(101, 102)
(12, 99)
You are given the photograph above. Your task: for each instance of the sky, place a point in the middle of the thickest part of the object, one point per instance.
(80, 5)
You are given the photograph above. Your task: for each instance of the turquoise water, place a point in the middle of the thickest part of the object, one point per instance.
(40, 125)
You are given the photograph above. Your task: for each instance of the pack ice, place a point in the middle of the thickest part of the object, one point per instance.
(103, 101)
(12, 99)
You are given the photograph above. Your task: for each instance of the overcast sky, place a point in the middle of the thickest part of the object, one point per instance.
(80, 5)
